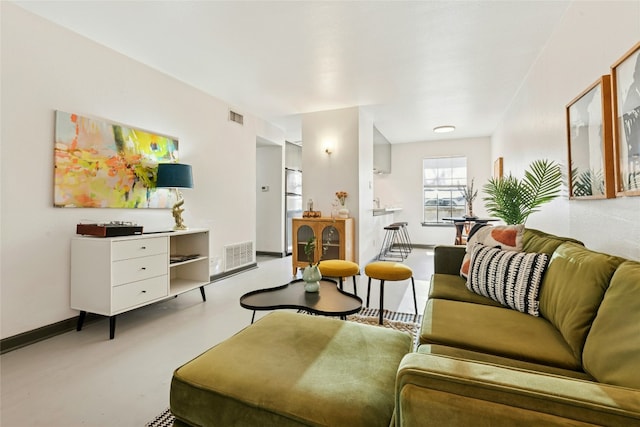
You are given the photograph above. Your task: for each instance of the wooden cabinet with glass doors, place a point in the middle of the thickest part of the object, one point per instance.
(334, 239)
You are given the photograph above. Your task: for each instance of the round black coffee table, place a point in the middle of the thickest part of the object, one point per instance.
(329, 301)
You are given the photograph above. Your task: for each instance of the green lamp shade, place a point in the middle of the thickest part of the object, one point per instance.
(174, 175)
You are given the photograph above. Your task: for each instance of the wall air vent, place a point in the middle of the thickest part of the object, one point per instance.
(236, 117)
(238, 255)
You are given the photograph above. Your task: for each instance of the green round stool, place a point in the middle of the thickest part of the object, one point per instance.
(340, 268)
(389, 271)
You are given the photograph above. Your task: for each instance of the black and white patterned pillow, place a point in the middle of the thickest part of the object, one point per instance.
(511, 278)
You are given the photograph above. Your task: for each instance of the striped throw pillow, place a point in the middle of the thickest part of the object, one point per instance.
(511, 278)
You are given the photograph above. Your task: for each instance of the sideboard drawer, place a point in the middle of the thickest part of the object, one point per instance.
(137, 293)
(126, 249)
(132, 270)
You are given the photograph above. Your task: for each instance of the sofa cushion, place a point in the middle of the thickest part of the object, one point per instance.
(572, 290)
(495, 330)
(538, 241)
(612, 350)
(448, 286)
(475, 356)
(506, 237)
(447, 259)
(511, 278)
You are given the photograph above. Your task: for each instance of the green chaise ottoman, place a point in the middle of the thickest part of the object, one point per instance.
(291, 369)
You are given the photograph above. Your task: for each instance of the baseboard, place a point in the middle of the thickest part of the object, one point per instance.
(31, 337)
(421, 246)
(221, 276)
(273, 254)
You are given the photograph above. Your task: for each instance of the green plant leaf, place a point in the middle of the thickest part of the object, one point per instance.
(310, 248)
(513, 200)
(541, 184)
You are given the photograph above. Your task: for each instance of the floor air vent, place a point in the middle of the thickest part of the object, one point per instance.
(238, 255)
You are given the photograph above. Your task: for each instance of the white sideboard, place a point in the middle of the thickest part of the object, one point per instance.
(112, 275)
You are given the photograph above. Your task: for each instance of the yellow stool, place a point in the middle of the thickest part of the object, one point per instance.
(389, 271)
(340, 268)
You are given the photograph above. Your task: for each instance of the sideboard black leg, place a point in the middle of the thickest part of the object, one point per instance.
(83, 315)
(112, 327)
(204, 297)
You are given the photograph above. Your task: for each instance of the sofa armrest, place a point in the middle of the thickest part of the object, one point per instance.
(447, 259)
(434, 390)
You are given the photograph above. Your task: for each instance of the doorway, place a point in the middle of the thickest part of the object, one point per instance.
(269, 198)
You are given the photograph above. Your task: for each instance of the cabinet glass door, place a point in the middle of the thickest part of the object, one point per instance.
(304, 233)
(330, 242)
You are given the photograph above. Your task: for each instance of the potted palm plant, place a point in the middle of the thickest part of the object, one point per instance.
(513, 200)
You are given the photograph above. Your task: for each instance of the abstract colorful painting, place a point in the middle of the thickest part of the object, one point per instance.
(99, 164)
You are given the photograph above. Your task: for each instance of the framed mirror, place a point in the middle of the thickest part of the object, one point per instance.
(625, 82)
(590, 143)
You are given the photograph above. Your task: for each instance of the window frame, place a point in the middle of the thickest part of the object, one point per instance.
(447, 176)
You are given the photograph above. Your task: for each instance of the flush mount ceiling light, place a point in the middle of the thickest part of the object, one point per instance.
(444, 129)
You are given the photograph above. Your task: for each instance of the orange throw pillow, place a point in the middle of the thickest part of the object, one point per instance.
(505, 237)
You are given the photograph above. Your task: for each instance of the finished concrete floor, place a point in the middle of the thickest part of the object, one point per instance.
(85, 379)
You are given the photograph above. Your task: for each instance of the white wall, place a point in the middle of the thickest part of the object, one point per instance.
(322, 174)
(270, 204)
(590, 37)
(349, 168)
(403, 186)
(367, 241)
(44, 68)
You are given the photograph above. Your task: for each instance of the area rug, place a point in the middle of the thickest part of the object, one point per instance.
(404, 322)
(165, 419)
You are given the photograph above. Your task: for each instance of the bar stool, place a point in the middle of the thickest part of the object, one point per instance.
(389, 271)
(390, 237)
(340, 268)
(404, 239)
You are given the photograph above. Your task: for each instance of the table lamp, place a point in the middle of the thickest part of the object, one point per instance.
(176, 176)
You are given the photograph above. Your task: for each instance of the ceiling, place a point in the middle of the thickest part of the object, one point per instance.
(412, 66)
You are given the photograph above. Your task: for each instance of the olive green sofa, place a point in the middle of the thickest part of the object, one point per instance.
(477, 363)
(480, 363)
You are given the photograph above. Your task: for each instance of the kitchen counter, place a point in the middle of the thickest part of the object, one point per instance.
(385, 211)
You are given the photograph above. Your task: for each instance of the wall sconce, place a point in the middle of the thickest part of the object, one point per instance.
(175, 175)
(328, 147)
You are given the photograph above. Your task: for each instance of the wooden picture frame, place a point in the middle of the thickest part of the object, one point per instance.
(498, 168)
(590, 143)
(625, 88)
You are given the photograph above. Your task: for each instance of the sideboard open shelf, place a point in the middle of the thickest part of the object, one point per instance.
(187, 275)
(113, 275)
